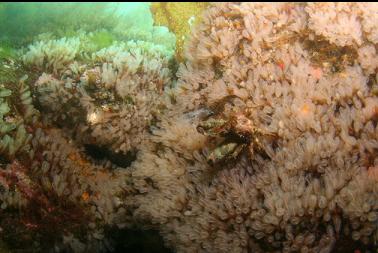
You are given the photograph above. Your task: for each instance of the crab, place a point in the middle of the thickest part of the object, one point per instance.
(237, 133)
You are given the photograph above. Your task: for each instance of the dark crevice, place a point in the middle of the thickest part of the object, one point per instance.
(137, 241)
(347, 245)
(120, 159)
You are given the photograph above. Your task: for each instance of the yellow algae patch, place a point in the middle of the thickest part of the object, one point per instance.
(179, 17)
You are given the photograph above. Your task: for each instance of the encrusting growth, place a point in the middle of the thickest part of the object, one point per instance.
(265, 140)
(313, 188)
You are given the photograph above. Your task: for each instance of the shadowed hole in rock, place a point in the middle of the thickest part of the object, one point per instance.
(347, 245)
(137, 241)
(120, 159)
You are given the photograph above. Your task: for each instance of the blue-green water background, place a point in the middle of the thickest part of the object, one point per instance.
(23, 23)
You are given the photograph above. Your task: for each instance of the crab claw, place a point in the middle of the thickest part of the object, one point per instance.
(225, 152)
(211, 126)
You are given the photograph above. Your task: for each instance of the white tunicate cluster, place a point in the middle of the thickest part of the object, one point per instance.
(53, 55)
(109, 98)
(319, 184)
(303, 73)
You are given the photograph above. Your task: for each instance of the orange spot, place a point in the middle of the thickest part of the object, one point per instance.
(83, 162)
(78, 159)
(281, 64)
(317, 72)
(72, 156)
(305, 109)
(85, 196)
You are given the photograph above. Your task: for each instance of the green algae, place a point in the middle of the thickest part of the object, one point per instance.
(102, 39)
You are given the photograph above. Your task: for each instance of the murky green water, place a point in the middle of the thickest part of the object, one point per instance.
(20, 23)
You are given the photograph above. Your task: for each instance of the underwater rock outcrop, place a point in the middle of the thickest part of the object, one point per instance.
(271, 142)
(78, 94)
(108, 97)
(266, 140)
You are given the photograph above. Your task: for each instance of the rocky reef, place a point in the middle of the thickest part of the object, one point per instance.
(264, 140)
